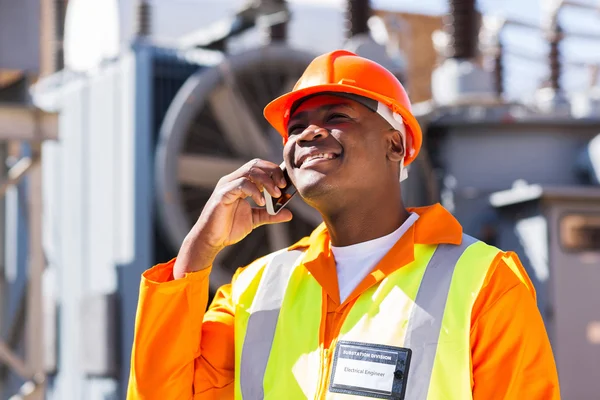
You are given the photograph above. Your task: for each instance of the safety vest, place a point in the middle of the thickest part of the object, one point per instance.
(425, 306)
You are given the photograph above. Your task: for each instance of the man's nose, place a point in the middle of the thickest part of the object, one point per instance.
(312, 132)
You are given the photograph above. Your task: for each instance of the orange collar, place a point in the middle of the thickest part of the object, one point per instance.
(435, 226)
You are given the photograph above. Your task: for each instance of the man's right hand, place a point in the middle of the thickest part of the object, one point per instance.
(227, 217)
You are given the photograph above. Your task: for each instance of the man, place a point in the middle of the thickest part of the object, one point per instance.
(379, 302)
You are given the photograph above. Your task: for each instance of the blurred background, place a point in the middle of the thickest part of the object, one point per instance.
(117, 118)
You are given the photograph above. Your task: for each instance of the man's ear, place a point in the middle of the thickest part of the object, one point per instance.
(410, 149)
(396, 149)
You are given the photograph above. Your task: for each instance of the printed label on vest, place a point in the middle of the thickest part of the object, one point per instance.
(370, 370)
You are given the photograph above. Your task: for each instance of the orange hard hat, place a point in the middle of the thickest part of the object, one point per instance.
(342, 71)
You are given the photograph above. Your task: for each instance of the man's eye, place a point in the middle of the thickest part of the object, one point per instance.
(336, 116)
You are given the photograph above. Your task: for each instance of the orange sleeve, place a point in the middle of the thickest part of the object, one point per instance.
(179, 351)
(510, 349)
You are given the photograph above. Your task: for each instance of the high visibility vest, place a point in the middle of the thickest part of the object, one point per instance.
(424, 306)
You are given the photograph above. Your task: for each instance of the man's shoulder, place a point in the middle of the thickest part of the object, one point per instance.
(503, 269)
(505, 274)
(479, 252)
(498, 259)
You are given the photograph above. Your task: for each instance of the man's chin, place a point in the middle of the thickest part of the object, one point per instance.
(314, 189)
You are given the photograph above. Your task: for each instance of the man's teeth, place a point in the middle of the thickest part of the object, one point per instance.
(322, 155)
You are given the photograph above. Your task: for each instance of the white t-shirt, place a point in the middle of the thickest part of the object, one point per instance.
(355, 262)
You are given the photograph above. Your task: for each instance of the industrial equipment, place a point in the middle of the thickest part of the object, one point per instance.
(143, 139)
(145, 134)
(522, 176)
(213, 126)
(557, 231)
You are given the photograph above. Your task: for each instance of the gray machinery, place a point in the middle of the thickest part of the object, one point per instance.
(143, 140)
(523, 177)
(144, 137)
(213, 126)
(517, 176)
(513, 182)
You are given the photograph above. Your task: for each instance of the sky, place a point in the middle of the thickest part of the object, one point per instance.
(318, 26)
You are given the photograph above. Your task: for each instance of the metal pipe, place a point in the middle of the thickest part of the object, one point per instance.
(16, 173)
(279, 31)
(499, 69)
(493, 49)
(34, 350)
(144, 18)
(47, 37)
(554, 35)
(526, 54)
(3, 281)
(530, 25)
(554, 56)
(34, 346)
(461, 25)
(13, 361)
(29, 389)
(59, 15)
(358, 13)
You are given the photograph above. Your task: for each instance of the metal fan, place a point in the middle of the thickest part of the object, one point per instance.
(212, 127)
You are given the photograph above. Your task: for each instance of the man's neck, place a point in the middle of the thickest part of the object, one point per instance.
(357, 223)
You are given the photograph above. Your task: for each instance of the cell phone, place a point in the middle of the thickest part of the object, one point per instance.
(274, 205)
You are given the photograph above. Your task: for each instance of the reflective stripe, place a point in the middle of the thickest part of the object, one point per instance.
(425, 321)
(423, 328)
(451, 377)
(262, 322)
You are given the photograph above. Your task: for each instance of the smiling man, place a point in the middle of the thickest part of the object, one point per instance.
(379, 302)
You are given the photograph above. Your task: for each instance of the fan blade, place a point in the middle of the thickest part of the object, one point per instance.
(205, 170)
(279, 236)
(236, 119)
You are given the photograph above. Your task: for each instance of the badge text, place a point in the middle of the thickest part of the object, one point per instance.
(363, 371)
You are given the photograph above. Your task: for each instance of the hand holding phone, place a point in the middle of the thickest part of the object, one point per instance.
(229, 217)
(274, 205)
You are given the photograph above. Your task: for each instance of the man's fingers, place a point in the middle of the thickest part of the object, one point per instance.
(260, 216)
(264, 181)
(262, 172)
(242, 188)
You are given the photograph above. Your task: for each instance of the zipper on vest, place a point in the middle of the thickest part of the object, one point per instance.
(325, 370)
(328, 353)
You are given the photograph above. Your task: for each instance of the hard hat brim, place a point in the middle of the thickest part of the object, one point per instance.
(277, 111)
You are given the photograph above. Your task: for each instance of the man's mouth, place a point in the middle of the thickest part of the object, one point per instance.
(315, 158)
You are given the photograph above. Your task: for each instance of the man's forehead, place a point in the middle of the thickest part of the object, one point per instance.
(323, 101)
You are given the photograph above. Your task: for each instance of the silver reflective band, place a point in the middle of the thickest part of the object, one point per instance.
(425, 323)
(262, 322)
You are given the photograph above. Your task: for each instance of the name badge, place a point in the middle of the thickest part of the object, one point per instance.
(370, 370)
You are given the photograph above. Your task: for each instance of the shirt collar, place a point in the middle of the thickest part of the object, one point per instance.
(435, 225)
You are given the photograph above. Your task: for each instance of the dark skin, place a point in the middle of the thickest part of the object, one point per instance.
(344, 160)
(358, 192)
